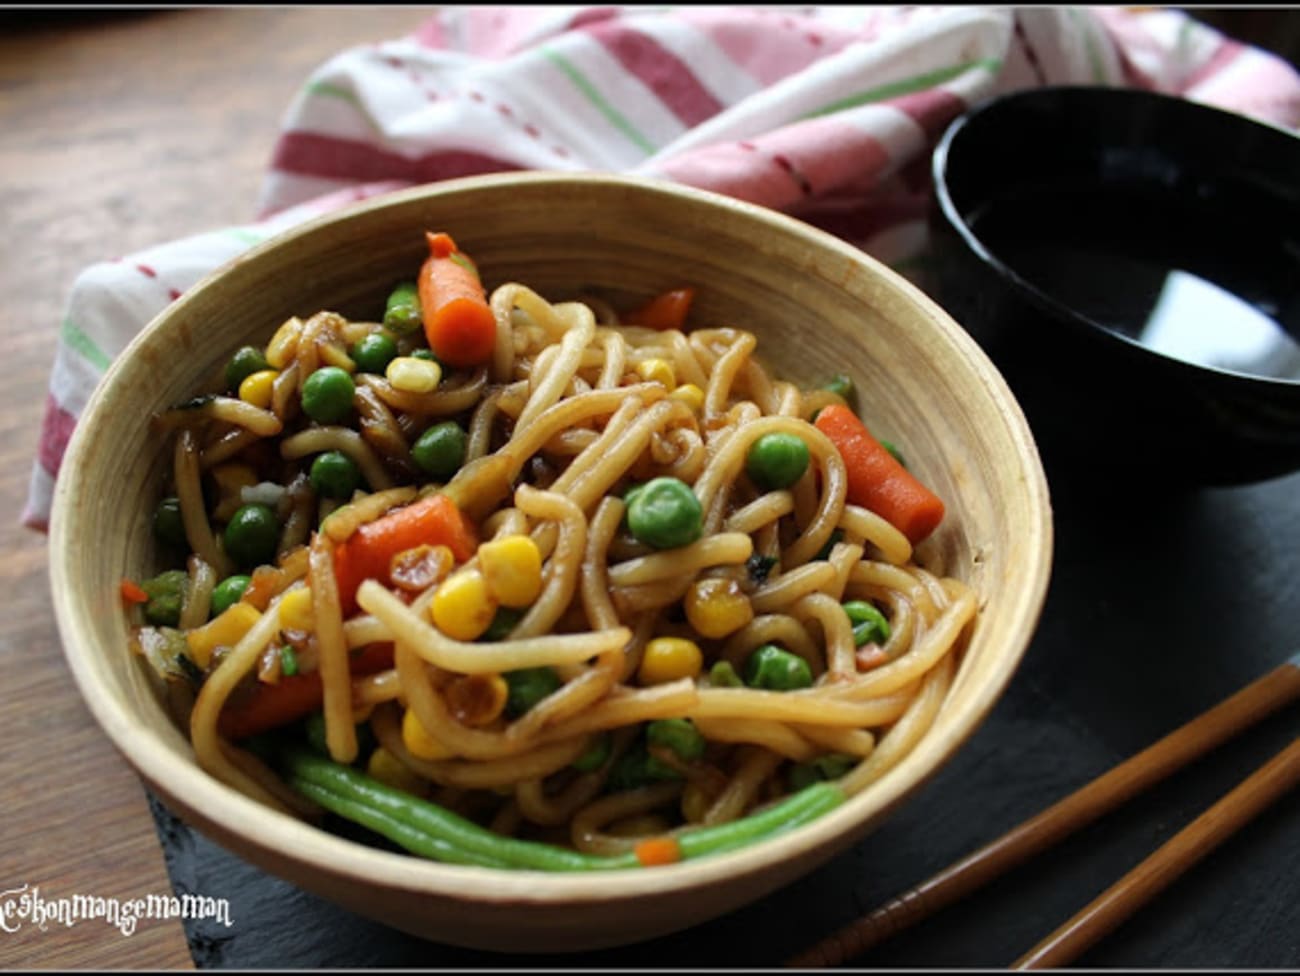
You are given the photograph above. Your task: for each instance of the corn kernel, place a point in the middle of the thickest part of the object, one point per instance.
(419, 743)
(256, 388)
(657, 371)
(717, 607)
(224, 630)
(670, 659)
(388, 769)
(462, 606)
(296, 610)
(691, 395)
(512, 567)
(411, 375)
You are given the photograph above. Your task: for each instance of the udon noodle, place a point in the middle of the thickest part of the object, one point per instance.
(613, 698)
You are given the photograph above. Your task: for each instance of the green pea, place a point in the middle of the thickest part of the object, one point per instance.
(327, 395)
(678, 734)
(423, 353)
(869, 624)
(335, 475)
(288, 661)
(527, 687)
(776, 669)
(664, 513)
(402, 310)
(166, 597)
(168, 525)
(246, 361)
(777, 460)
(440, 451)
(637, 767)
(839, 384)
(898, 456)
(723, 675)
(252, 535)
(373, 353)
(227, 593)
(595, 756)
(502, 623)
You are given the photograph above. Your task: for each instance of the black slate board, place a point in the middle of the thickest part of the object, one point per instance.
(1150, 619)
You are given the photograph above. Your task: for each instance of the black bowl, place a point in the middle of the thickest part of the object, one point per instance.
(1131, 262)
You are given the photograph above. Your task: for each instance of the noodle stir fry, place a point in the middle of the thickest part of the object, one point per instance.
(530, 584)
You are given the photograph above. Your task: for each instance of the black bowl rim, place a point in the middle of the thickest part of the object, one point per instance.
(1075, 319)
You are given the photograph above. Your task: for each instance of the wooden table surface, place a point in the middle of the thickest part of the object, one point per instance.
(117, 131)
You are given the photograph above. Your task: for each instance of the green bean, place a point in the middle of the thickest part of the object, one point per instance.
(428, 830)
(793, 811)
(411, 838)
(402, 310)
(473, 844)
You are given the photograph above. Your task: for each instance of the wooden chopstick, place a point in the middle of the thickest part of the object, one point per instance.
(1262, 697)
(1167, 863)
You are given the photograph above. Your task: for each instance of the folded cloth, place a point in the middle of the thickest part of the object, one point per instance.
(826, 113)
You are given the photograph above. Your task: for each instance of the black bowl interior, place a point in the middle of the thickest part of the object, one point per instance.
(1132, 262)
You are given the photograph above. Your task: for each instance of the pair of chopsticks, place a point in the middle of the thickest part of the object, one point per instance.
(1212, 728)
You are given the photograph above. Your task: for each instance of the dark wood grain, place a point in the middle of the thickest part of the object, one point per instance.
(120, 131)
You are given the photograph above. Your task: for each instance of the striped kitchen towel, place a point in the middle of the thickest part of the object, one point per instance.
(826, 113)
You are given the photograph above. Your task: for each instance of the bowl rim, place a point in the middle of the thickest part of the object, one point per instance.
(282, 839)
(941, 168)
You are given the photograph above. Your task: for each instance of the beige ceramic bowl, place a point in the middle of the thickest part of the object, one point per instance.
(817, 305)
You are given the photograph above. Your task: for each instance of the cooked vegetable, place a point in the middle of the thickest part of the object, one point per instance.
(412, 374)
(839, 384)
(656, 851)
(288, 661)
(257, 388)
(368, 552)
(227, 593)
(132, 592)
(335, 475)
(502, 623)
(670, 659)
(776, 669)
(723, 675)
(527, 687)
(512, 568)
(327, 395)
(777, 460)
(431, 831)
(402, 310)
(265, 706)
(664, 513)
(596, 754)
(717, 606)
(440, 451)
(166, 593)
(458, 322)
(678, 734)
(463, 606)
(667, 310)
(373, 353)
(877, 481)
(869, 624)
(251, 535)
(246, 361)
(168, 525)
